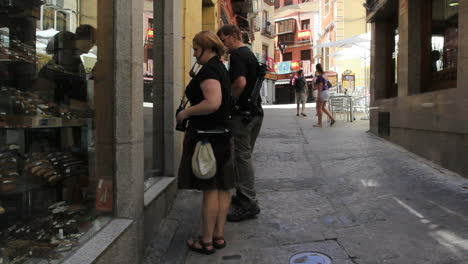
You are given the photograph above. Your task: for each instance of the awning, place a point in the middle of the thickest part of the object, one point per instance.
(282, 81)
(346, 42)
(284, 19)
(356, 51)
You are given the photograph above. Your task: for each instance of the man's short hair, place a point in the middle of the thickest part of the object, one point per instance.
(300, 72)
(229, 29)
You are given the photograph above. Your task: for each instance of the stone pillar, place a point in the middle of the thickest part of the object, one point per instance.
(378, 61)
(414, 48)
(168, 85)
(409, 47)
(129, 125)
(129, 130)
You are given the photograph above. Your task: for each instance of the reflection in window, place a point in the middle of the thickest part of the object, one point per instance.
(51, 198)
(150, 171)
(391, 57)
(441, 45)
(395, 57)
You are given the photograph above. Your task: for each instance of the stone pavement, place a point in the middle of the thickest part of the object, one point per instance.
(339, 191)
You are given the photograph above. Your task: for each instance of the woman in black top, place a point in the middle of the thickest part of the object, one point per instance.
(209, 92)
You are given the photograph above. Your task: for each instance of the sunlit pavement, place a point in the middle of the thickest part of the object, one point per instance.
(339, 191)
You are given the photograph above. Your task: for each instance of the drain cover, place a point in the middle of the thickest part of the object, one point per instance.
(310, 258)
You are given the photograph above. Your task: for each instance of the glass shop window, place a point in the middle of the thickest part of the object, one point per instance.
(51, 199)
(151, 173)
(440, 45)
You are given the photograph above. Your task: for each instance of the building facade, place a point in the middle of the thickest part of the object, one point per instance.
(295, 23)
(262, 26)
(418, 85)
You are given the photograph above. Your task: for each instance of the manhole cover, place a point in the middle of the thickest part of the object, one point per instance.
(310, 258)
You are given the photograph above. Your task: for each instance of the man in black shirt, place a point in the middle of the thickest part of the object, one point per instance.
(300, 86)
(243, 68)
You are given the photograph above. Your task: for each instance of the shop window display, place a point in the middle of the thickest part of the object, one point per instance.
(440, 45)
(50, 197)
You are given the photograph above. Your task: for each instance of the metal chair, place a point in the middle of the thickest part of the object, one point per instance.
(338, 106)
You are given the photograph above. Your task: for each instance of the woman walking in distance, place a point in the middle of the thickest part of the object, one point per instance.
(209, 95)
(323, 96)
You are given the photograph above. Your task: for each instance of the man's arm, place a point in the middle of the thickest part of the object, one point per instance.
(238, 73)
(238, 86)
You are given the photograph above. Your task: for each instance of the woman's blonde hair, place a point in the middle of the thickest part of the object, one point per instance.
(207, 39)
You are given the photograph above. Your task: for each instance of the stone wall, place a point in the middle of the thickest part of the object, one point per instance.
(434, 124)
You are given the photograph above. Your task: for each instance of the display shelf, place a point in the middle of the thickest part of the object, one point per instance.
(23, 187)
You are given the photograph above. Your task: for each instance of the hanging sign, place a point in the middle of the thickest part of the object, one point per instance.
(284, 67)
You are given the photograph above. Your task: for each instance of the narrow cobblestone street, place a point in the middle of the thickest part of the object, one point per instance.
(335, 190)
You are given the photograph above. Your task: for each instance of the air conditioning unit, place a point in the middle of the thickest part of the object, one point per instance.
(54, 3)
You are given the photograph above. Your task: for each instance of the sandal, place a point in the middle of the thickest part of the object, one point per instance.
(332, 122)
(203, 249)
(303, 114)
(218, 245)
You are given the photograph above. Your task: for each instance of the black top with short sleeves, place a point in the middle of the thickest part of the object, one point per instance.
(243, 62)
(213, 69)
